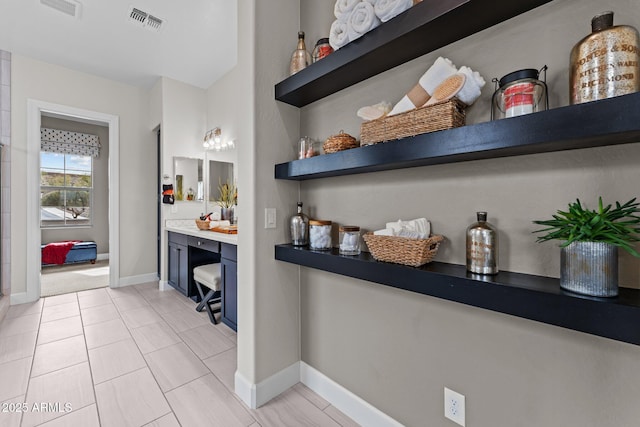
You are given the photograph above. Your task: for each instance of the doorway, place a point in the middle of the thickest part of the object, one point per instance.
(74, 205)
(36, 109)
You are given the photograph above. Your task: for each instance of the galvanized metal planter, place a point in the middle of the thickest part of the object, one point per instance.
(590, 268)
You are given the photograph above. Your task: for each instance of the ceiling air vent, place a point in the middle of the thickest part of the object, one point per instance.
(144, 19)
(68, 7)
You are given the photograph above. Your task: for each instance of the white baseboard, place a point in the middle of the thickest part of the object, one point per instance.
(19, 298)
(351, 405)
(102, 257)
(256, 395)
(136, 280)
(163, 285)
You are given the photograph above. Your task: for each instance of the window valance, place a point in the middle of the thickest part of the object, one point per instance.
(65, 142)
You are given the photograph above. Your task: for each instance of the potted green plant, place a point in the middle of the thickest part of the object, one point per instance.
(227, 200)
(589, 255)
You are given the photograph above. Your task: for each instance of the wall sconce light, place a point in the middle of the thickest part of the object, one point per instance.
(213, 139)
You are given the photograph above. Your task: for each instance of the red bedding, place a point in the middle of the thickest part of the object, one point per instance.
(56, 253)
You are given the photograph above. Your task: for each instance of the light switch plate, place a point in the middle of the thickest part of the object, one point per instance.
(270, 218)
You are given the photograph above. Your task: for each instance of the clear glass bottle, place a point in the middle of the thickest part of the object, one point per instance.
(300, 58)
(320, 234)
(349, 240)
(606, 62)
(482, 246)
(299, 228)
(306, 148)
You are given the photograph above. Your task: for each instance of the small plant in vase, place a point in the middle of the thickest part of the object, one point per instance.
(589, 257)
(227, 200)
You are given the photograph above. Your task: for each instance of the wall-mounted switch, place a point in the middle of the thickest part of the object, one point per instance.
(270, 218)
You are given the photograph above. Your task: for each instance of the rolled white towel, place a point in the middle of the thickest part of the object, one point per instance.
(373, 2)
(420, 94)
(343, 9)
(387, 9)
(362, 20)
(473, 84)
(338, 35)
(372, 112)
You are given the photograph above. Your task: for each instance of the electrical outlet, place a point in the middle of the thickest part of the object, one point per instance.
(270, 218)
(454, 406)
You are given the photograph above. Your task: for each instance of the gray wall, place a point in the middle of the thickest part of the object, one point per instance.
(398, 350)
(99, 230)
(5, 180)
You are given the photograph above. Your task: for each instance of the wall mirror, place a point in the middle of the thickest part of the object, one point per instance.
(219, 173)
(189, 183)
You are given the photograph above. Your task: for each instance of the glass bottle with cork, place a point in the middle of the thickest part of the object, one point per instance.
(300, 58)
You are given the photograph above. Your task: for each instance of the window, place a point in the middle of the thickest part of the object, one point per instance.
(66, 189)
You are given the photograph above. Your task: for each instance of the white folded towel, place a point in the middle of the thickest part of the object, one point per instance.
(362, 20)
(338, 35)
(222, 223)
(385, 232)
(473, 84)
(420, 94)
(421, 226)
(343, 9)
(373, 2)
(387, 9)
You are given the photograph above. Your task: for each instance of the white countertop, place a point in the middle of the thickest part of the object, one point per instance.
(189, 228)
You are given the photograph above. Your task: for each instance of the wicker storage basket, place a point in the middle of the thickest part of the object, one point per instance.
(202, 224)
(401, 250)
(339, 142)
(445, 115)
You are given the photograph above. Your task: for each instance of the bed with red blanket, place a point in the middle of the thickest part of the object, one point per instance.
(69, 252)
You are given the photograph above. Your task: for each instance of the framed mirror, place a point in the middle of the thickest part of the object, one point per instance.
(189, 182)
(219, 172)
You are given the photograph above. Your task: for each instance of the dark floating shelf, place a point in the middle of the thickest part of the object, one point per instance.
(531, 297)
(425, 27)
(607, 122)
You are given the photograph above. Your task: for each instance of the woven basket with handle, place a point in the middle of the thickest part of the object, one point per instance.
(402, 250)
(445, 115)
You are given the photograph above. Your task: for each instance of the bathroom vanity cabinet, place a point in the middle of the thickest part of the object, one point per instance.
(189, 248)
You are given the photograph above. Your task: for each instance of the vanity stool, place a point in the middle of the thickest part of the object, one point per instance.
(209, 276)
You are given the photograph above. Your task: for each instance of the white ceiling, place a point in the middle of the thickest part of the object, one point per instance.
(197, 43)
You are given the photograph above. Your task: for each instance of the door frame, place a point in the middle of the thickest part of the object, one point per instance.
(35, 108)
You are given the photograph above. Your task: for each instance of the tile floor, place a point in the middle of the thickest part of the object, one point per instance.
(132, 356)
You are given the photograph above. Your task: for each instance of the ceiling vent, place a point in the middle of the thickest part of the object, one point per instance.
(144, 19)
(68, 7)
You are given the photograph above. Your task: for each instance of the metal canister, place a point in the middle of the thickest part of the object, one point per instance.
(299, 228)
(482, 246)
(606, 63)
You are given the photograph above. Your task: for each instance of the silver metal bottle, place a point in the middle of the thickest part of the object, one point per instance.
(482, 246)
(299, 228)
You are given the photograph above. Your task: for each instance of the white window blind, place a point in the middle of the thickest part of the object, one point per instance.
(64, 142)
